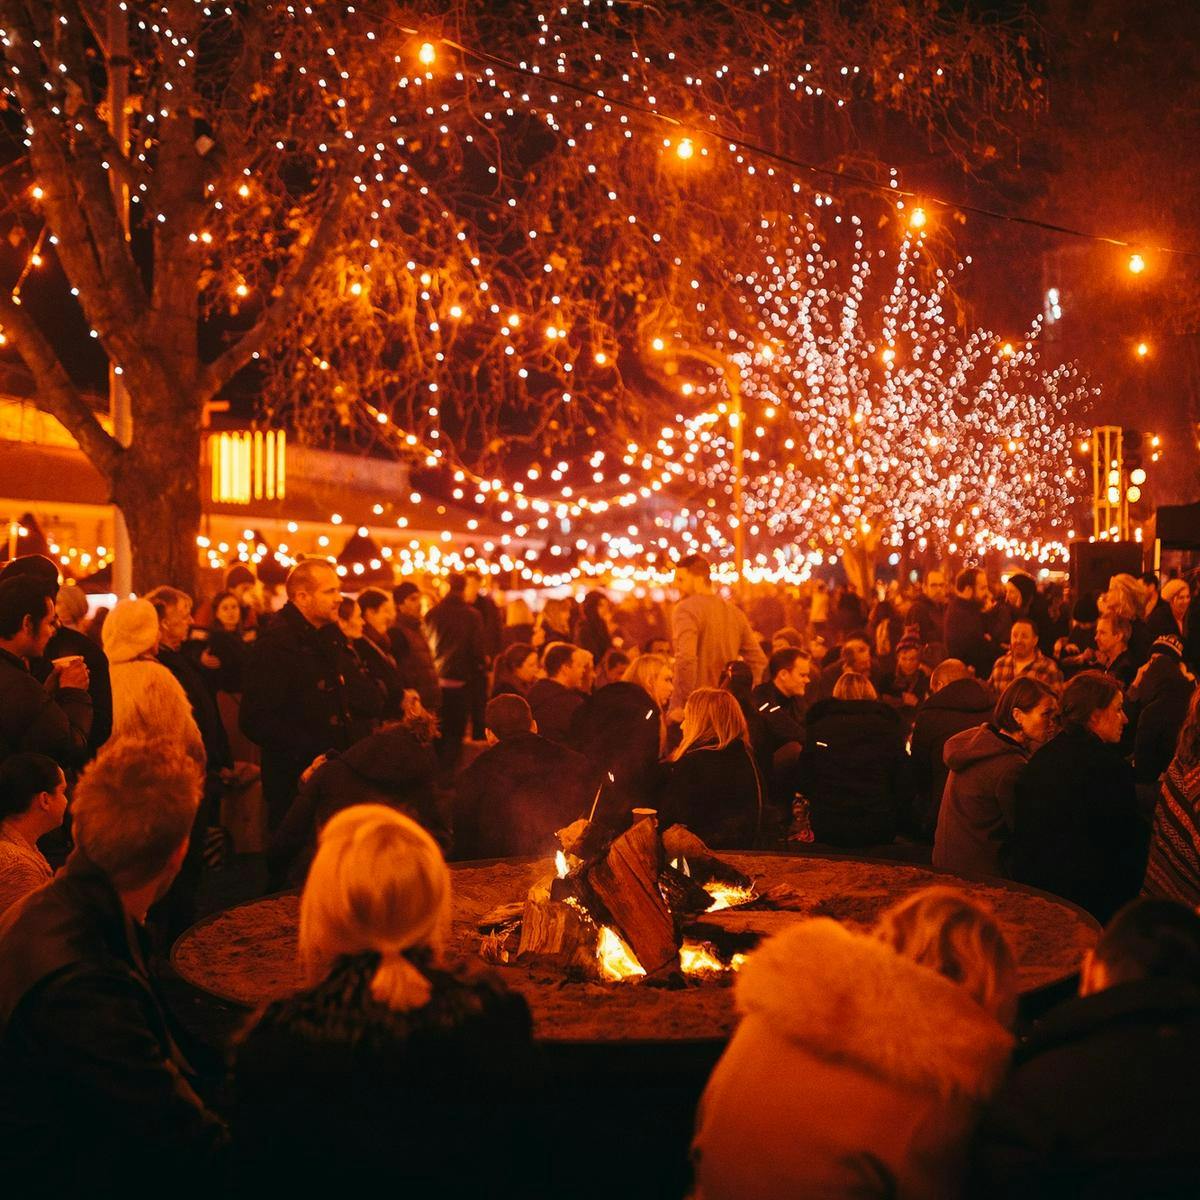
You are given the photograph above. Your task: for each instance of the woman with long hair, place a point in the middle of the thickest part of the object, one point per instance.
(594, 632)
(1173, 870)
(387, 1049)
(976, 815)
(376, 649)
(863, 1060)
(714, 787)
(517, 670)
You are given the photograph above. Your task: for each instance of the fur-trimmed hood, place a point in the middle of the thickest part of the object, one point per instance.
(848, 998)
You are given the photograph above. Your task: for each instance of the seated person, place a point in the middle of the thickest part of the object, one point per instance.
(1102, 1099)
(513, 797)
(862, 1059)
(713, 787)
(92, 1080)
(1024, 658)
(33, 802)
(908, 684)
(780, 706)
(556, 698)
(378, 1065)
(855, 656)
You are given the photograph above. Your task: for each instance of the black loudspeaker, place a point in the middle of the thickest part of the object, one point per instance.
(1093, 564)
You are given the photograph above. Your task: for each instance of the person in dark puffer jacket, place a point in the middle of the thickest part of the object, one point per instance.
(389, 1057)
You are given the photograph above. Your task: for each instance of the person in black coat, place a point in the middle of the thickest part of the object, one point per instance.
(956, 701)
(297, 703)
(1157, 705)
(514, 796)
(68, 643)
(556, 698)
(968, 631)
(713, 787)
(781, 707)
(390, 1055)
(411, 649)
(459, 652)
(854, 770)
(1077, 831)
(1102, 1098)
(93, 1085)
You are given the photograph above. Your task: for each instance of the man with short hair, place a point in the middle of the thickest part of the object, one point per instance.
(456, 632)
(855, 656)
(1024, 658)
(966, 632)
(908, 684)
(1102, 1099)
(296, 703)
(513, 797)
(557, 697)
(707, 633)
(52, 718)
(928, 611)
(410, 646)
(1113, 655)
(92, 1083)
(782, 706)
(33, 802)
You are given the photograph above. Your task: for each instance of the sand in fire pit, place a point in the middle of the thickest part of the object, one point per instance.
(248, 954)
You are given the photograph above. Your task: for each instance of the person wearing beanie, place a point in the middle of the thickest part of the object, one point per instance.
(1156, 706)
(68, 642)
(148, 701)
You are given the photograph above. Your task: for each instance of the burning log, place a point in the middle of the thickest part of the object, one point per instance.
(558, 933)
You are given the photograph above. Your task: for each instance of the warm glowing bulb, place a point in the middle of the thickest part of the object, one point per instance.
(1137, 264)
(1143, 348)
(888, 356)
(1133, 495)
(242, 290)
(244, 190)
(917, 219)
(1137, 476)
(427, 53)
(1007, 349)
(1156, 441)
(456, 311)
(685, 149)
(36, 192)
(1114, 495)
(356, 288)
(658, 344)
(601, 358)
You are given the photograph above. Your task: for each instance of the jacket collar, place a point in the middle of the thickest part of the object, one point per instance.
(846, 997)
(15, 661)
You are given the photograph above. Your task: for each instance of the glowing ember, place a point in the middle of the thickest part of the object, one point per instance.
(725, 896)
(560, 864)
(617, 961)
(697, 958)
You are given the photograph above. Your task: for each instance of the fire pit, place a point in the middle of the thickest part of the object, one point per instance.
(247, 954)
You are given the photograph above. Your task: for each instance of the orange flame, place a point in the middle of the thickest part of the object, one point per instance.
(697, 958)
(725, 896)
(617, 962)
(560, 864)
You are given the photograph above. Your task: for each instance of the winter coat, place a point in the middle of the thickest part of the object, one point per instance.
(960, 705)
(968, 636)
(1156, 708)
(513, 797)
(456, 631)
(388, 767)
(855, 772)
(92, 1081)
(330, 1084)
(1077, 831)
(1173, 867)
(380, 664)
(231, 649)
(717, 794)
(1161, 622)
(56, 723)
(929, 617)
(554, 707)
(1102, 1101)
(854, 1073)
(976, 816)
(619, 730)
(707, 632)
(203, 705)
(297, 702)
(410, 648)
(65, 642)
(149, 702)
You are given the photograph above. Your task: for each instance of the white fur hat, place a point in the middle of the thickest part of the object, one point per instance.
(130, 630)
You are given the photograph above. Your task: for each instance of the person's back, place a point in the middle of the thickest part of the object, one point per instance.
(856, 1071)
(1102, 1100)
(1173, 866)
(717, 794)
(92, 1083)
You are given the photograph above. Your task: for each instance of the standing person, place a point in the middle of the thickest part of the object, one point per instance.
(556, 697)
(67, 641)
(862, 1060)
(410, 647)
(92, 1080)
(227, 643)
(456, 629)
(492, 619)
(1102, 1098)
(517, 670)
(241, 581)
(956, 701)
(1024, 658)
(967, 634)
(1157, 706)
(928, 611)
(1169, 616)
(975, 819)
(855, 656)
(518, 623)
(854, 770)
(33, 803)
(1173, 868)
(375, 649)
(595, 627)
(713, 787)
(1113, 655)
(52, 718)
(906, 686)
(389, 1051)
(1077, 831)
(296, 706)
(707, 632)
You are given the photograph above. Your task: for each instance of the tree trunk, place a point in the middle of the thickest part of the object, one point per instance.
(157, 488)
(858, 561)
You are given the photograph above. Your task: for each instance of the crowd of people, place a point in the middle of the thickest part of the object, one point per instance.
(1001, 730)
